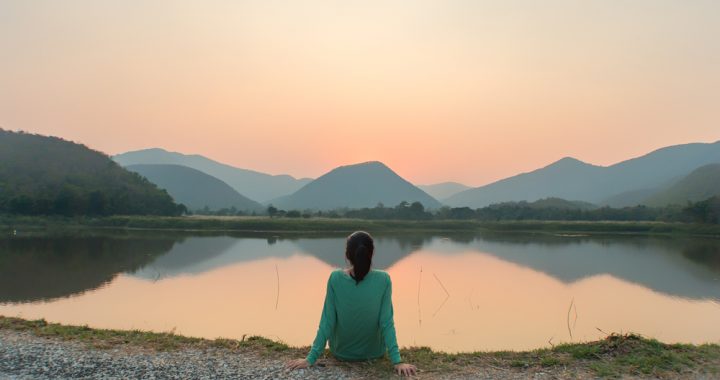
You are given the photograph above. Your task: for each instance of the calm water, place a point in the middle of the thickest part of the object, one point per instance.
(454, 293)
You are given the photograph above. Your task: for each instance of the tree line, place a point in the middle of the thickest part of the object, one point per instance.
(707, 211)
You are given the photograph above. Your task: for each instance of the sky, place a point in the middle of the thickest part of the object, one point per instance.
(448, 90)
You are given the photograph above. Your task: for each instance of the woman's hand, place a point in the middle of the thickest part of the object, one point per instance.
(297, 364)
(404, 369)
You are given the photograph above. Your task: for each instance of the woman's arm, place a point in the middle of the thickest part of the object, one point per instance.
(327, 324)
(387, 324)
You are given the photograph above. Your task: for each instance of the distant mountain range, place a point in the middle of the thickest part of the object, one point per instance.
(628, 182)
(443, 190)
(656, 179)
(255, 185)
(356, 186)
(195, 189)
(48, 175)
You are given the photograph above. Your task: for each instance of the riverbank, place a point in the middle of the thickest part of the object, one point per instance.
(332, 225)
(41, 350)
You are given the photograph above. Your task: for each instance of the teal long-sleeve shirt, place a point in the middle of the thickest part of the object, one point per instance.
(357, 319)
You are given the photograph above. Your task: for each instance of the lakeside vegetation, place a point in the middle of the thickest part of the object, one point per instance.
(25, 224)
(613, 356)
(548, 209)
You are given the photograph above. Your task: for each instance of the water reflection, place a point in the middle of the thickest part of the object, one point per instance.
(661, 264)
(201, 254)
(456, 293)
(43, 268)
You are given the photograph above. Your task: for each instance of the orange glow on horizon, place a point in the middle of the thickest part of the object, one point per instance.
(439, 91)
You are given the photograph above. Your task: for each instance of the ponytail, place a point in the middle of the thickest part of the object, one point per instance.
(359, 251)
(361, 263)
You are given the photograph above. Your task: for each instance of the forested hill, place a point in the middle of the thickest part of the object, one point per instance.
(42, 175)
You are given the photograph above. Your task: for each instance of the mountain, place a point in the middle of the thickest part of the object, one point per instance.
(443, 190)
(570, 178)
(629, 198)
(356, 186)
(252, 184)
(42, 175)
(701, 184)
(566, 178)
(194, 188)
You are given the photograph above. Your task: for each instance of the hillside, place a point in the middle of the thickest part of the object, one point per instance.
(443, 190)
(42, 175)
(566, 178)
(356, 186)
(628, 198)
(701, 184)
(573, 179)
(194, 188)
(561, 204)
(252, 184)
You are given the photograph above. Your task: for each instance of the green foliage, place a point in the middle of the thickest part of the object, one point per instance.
(550, 209)
(50, 176)
(404, 210)
(293, 214)
(707, 211)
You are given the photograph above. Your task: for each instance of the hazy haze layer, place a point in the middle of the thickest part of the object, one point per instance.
(457, 90)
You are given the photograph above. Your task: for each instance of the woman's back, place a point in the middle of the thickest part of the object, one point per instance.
(359, 307)
(357, 316)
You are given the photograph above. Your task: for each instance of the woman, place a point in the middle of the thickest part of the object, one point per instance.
(357, 317)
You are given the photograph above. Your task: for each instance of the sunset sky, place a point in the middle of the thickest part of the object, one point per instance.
(461, 90)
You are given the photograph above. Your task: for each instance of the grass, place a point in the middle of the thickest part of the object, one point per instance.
(614, 356)
(160, 341)
(316, 225)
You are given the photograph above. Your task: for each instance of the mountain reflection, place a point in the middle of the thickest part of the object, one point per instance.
(44, 268)
(675, 266)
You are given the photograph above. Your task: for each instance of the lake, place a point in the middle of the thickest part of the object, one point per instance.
(464, 292)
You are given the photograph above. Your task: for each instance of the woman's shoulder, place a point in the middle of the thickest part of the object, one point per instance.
(338, 274)
(381, 274)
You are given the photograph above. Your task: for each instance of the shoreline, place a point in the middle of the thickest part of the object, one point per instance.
(615, 356)
(342, 226)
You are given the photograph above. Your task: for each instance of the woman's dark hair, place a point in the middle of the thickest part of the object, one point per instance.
(359, 251)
